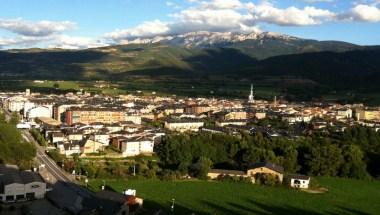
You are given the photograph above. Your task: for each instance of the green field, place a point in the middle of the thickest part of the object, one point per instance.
(345, 196)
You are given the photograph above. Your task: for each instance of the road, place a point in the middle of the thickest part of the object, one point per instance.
(53, 168)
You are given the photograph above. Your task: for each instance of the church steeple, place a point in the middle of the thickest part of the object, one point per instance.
(251, 97)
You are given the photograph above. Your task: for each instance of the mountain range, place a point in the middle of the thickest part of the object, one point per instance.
(331, 65)
(258, 45)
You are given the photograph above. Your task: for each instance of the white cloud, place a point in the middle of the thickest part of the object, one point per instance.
(222, 4)
(291, 16)
(211, 20)
(314, 1)
(362, 13)
(146, 29)
(40, 28)
(70, 42)
(20, 41)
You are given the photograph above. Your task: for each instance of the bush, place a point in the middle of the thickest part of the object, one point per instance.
(267, 179)
(314, 184)
(38, 137)
(56, 156)
(234, 179)
(169, 175)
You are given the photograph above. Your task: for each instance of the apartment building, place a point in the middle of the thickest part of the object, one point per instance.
(92, 115)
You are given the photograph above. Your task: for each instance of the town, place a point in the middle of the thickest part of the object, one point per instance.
(82, 127)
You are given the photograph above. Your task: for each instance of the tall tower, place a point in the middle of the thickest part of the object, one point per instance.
(251, 97)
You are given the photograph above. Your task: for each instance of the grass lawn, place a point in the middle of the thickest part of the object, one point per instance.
(345, 196)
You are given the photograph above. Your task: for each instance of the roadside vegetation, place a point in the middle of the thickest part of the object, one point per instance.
(13, 148)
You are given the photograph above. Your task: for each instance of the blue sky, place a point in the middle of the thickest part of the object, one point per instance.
(84, 23)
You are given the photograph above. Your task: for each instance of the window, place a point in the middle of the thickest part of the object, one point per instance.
(35, 186)
(19, 197)
(9, 198)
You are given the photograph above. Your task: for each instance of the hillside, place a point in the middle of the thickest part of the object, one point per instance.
(286, 63)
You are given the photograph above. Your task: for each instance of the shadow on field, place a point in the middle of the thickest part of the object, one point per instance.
(345, 210)
(254, 207)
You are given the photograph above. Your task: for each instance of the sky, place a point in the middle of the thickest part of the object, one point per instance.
(79, 24)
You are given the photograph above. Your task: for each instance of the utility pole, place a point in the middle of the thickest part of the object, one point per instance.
(134, 169)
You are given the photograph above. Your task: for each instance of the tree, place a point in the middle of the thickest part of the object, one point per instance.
(325, 160)
(202, 167)
(15, 118)
(2, 117)
(354, 165)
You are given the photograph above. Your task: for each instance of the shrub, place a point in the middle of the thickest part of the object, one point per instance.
(267, 179)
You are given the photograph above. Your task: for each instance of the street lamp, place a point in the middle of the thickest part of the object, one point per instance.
(104, 184)
(172, 207)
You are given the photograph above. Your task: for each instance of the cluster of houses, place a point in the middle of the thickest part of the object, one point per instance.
(84, 123)
(260, 169)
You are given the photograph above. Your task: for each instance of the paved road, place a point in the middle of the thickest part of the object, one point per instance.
(58, 173)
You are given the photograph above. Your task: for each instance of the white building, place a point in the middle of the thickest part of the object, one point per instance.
(344, 113)
(68, 149)
(101, 138)
(18, 185)
(136, 146)
(133, 118)
(39, 111)
(299, 181)
(15, 103)
(184, 125)
(223, 123)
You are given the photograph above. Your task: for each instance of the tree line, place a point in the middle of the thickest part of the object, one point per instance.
(353, 153)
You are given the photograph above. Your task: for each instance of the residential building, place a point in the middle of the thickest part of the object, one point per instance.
(69, 148)
(299, 181)
(223, 123)
(266, 168)
(136, 146)
(197, 109)
(91, 146)
(367, 115)
(183, 125)
(16, 185)
(91, 115)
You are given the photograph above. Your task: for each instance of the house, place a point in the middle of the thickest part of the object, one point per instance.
(110, 202)
(223, 123)
(260, 114)
(91, 146)
(101, 138)
(299, 181)
(56, 137)
(135, 118)
(136, 146)
(183, 125)
(114, 127)
(39, 111)
(18, 185)
(216, 173)
(68, 148)
(231, 115)
(214, 130)
(266, 168)
(197, 109)
(344, 113)
(75, 136)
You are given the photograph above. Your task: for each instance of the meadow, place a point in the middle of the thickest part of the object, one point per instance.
(345, 196)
